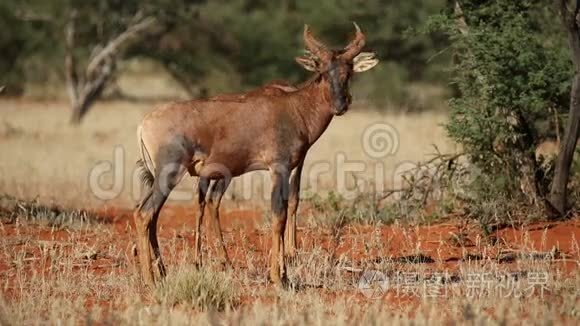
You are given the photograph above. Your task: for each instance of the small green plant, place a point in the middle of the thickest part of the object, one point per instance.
(365, 208)
(203, 289)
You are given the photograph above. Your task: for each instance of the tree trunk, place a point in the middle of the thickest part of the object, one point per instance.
(81, 107)
(90, 92)
(76, 116)
(558, 192)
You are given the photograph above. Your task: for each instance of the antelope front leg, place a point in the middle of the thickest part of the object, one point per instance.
(279, 213)
(290, 234)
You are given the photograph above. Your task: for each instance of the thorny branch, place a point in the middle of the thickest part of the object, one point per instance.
(425, 178)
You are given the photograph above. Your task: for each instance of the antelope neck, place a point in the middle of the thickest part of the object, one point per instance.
(314, 110)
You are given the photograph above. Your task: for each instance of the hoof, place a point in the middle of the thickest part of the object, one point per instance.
(282, 283)
(291, 258)
(225, 265)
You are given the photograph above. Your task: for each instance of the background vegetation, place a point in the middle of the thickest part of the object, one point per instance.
(216, 46)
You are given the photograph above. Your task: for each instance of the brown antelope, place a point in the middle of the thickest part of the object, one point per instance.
(547, 151)
(227, 136)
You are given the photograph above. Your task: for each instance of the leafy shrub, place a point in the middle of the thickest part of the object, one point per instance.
(511, 71)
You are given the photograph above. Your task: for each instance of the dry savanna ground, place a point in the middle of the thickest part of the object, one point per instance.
(66, 237)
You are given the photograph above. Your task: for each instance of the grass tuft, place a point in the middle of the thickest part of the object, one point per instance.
(203, 289)
(49, 215)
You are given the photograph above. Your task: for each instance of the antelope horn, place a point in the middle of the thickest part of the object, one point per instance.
(316, 47)
(356, 45)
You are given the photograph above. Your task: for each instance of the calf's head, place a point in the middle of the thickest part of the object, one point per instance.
(337, 66)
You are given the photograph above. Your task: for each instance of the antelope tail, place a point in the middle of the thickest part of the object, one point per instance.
(145, 173)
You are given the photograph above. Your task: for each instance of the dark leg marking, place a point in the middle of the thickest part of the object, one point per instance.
(217, 191)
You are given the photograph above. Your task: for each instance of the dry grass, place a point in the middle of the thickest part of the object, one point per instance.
(51, 216)
(203, 289)
(85, 277)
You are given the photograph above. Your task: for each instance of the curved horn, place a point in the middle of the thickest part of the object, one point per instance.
(356, 45)
(313, 45)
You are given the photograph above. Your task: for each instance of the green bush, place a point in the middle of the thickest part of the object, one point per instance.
(511, 71)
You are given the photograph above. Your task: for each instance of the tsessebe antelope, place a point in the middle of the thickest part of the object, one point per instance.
(226, 136)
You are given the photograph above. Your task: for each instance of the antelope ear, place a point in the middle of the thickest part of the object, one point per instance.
(307, 62)
(364, 61)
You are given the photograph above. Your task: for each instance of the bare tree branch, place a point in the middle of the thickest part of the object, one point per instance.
(85, 89)
(115, 45)
(33, 16)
